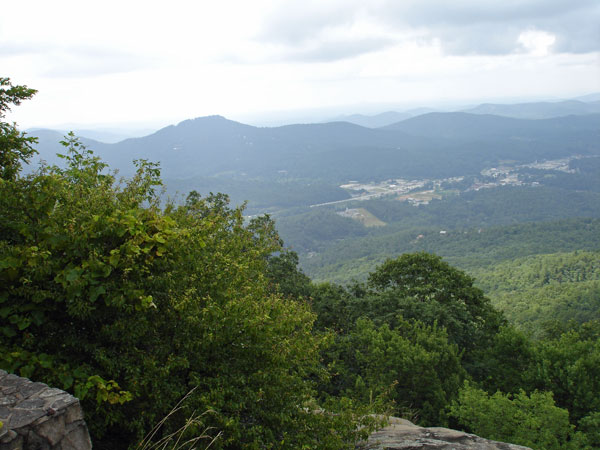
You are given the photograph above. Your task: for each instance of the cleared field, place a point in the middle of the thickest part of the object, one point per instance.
(363, 216)
(420, 197)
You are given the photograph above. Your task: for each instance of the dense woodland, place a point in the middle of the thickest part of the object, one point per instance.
(142, 307)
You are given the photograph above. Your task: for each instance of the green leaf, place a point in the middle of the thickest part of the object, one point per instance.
(72, 274)
(96, 292)
(46, 361)
(8, 331)
(9, 261)
(23, 323)
(114, 258)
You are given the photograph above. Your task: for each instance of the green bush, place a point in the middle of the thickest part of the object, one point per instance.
(530, 420)
(413, 365)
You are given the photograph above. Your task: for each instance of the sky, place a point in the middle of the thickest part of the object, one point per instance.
(151, 63)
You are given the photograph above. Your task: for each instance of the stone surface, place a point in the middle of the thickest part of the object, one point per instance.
(401, 434)
(37, 417)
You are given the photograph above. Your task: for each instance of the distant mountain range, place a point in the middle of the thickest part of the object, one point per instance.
(541, 110)
(595, 97)
(463, 125)
(429, 145)
(587, 104)
(382, 119)
(108, 136)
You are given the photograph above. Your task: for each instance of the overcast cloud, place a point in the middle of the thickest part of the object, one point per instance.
(151, 61)
(461, 27)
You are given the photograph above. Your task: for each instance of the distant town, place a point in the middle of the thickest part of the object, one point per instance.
(421, 192)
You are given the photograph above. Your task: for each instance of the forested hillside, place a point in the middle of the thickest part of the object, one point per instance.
(544, 290)
(351, 259)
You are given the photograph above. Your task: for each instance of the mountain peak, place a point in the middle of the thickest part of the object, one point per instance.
(206, 119)
(209, 124)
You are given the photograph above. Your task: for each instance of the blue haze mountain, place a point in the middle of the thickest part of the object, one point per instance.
(216, 154)
(541, 110)
(382, 119)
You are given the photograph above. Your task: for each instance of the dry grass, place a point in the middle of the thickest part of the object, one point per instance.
(178, 440)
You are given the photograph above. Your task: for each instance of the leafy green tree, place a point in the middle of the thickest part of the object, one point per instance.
(531, 420)
(506, 364)
(332, 304)
(413, 365)
(569, 366)
(590, 427)
(285, 276)
(423, 287)
(15, 147)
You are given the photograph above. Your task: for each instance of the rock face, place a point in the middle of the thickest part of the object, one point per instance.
(37, 417)
(401, 434)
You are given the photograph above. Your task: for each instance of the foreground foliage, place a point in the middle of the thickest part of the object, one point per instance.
(129, 305)
(412, 364)
(530, 420)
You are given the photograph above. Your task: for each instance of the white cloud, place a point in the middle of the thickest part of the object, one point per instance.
(537, 42)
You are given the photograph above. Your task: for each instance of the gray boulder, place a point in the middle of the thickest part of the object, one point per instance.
(401, 434)
(37, 417)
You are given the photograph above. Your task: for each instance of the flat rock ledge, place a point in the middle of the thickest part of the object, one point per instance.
(401, 434)
(37, 417)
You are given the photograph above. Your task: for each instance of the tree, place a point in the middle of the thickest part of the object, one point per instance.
(332, 304)
(413, 365)
(569, 366)
(532, 420)
(285, 276)
(506, 364)
(15, 147)
(421, 286)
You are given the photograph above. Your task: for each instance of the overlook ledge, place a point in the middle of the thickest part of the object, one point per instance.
(36, 416)
(401, 434)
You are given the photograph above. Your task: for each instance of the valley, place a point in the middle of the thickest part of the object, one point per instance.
(345, 197)
(415, 193)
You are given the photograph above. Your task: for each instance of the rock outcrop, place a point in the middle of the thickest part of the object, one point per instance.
(37, 417)
(401, 434)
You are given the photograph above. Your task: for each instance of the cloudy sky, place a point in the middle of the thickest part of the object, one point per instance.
(157, 62)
